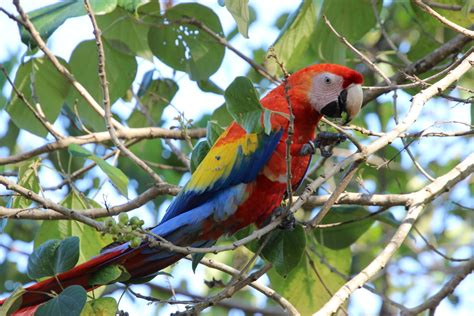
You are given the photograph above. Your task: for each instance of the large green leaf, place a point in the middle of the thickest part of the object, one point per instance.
(91, 240)
(28, 178)
(243, 104)
(294, 37)
(343, 236)
(199, 152)
(302, 286)
(47, 19)
(126, 33)
(38, 78)
(70, 302)
(109, 274)
(132, 5)
(352, 19)
(53, 257)
(222, 116)
(120, 68)
(214, 130)
(185, 47)
(104, 306)
(240, 12)
(118, 178)
(284, 249)
(154, 96)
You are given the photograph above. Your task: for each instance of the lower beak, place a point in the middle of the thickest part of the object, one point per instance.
(336, 108)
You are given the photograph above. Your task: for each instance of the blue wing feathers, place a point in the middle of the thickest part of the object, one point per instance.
(245, 170)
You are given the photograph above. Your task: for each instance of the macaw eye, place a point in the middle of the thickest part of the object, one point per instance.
(327, 80)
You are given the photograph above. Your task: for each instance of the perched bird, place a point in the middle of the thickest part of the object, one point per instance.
(241, 181)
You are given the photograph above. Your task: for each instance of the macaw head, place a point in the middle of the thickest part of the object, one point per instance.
(332, 90)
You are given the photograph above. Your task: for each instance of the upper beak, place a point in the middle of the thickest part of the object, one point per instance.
(347, 105)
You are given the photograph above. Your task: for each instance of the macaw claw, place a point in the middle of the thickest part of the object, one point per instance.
(288, 222)
(325, 141)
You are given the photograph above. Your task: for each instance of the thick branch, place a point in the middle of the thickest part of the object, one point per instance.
(69, 213)
(52, 214)
(418, 201)
(101, 137)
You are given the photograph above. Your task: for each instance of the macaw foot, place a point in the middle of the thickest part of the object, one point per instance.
(325, 141)
(288, 222)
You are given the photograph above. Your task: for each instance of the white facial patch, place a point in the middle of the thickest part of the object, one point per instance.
(354, 100)
(325, 89)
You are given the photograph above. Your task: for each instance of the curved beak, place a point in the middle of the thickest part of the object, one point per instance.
(347, 105)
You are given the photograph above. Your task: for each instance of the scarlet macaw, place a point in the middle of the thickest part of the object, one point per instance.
(241, 181)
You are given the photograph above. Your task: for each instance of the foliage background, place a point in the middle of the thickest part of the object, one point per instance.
(171, 97)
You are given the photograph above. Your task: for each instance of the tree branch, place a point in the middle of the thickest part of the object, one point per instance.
(418, 201)
(462, 272)
(444, 20)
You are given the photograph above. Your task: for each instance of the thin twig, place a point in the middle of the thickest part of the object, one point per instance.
(461, 273)
(106, 100)
(367, 61)
(25, 21)
(444, 20)
(332, 199)
(38, 113)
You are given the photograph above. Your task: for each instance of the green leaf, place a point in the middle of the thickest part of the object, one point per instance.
(155, 96)
(104, 306)
(199, 152)
(222, 116)
(109, 274)
(240, 12)
(70, 302)
(28, 178)
(196, 258)
(210, 86)
(91, 240)
(185, 47)
(120, 68)
(8, 66)
(67, 254)
(47, 19)
(41, 262)
(125, 32)
(132, 5)
(303, 288)
(294, 38)
(350, 18)
(214, 130)
(78, 151)
(12, 303)
(285, 249)
(343, 236)
(243, 104)
(118, 178)
(38, 78)
(53, 257)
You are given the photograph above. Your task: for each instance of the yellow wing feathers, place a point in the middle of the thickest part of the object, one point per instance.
(221, 159)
